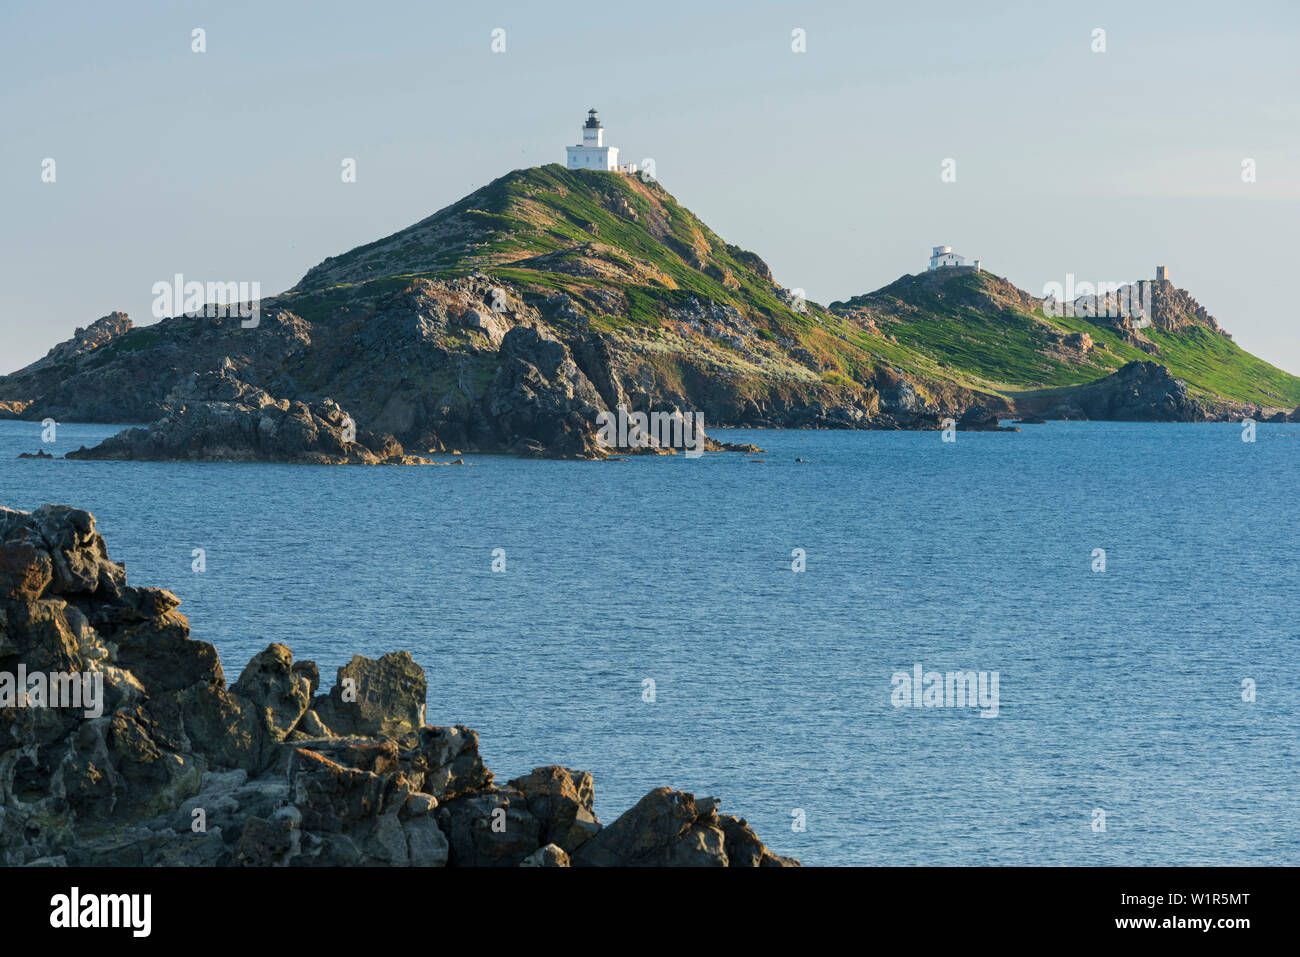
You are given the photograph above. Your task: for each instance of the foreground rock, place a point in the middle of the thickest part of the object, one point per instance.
(164, 764)
(215, 417)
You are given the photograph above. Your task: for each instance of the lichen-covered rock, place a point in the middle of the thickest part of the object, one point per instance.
(331, 796)
(446, 762)
(280, 692)
(384, 697)
(491, 828)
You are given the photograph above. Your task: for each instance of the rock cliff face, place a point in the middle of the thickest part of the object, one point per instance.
(166, 765)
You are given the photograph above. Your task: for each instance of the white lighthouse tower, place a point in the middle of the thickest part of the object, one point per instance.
(593, 153)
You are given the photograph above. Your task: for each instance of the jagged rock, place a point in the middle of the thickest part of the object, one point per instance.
(446, 762)
(384, 697)
(489, 828)
(561, 800)
(26, 569)
(217, 417)
(271, 683)
(743, 847)
(312, 726)
(332, 796)
(226, 727)
(671, 828)
(161, 654)
(542, 399)
(179, 770)
(309, 671)
(84, 340)
(656, 831)
(426, 845)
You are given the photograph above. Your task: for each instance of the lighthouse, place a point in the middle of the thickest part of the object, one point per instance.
(592, 153)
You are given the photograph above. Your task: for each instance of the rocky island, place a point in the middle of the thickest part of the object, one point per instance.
(159, 762)
(512, 319)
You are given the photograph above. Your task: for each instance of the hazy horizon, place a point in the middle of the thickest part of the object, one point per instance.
(225, 165)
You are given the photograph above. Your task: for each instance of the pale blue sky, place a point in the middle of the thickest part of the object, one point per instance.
(225, 165)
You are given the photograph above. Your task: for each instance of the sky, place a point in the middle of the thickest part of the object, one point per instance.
(225, 165)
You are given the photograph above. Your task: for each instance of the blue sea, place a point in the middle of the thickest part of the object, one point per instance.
(1120, 691)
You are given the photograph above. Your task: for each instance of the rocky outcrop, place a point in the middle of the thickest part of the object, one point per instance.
(1136, 392)
(1173, 309)
(384, 697)
(99, 333)
(668, 828)
(157, 762)
(542, 399)
(129, 378)
(215, 417)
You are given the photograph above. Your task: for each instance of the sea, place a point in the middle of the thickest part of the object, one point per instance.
(1118, 605)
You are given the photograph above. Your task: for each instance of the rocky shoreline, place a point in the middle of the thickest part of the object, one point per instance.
(529, 380)
(214, 417)
(168, 766)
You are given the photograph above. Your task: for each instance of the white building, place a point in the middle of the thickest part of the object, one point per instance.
(593, 153)
(943, 256)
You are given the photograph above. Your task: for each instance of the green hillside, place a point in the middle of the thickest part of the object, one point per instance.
(634, 262)
(993, 335)
(570, 229)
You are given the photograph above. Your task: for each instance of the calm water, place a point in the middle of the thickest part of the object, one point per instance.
(1118, 690)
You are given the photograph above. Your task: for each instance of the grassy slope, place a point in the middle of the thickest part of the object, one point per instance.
(548, 209)
(544, 212)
